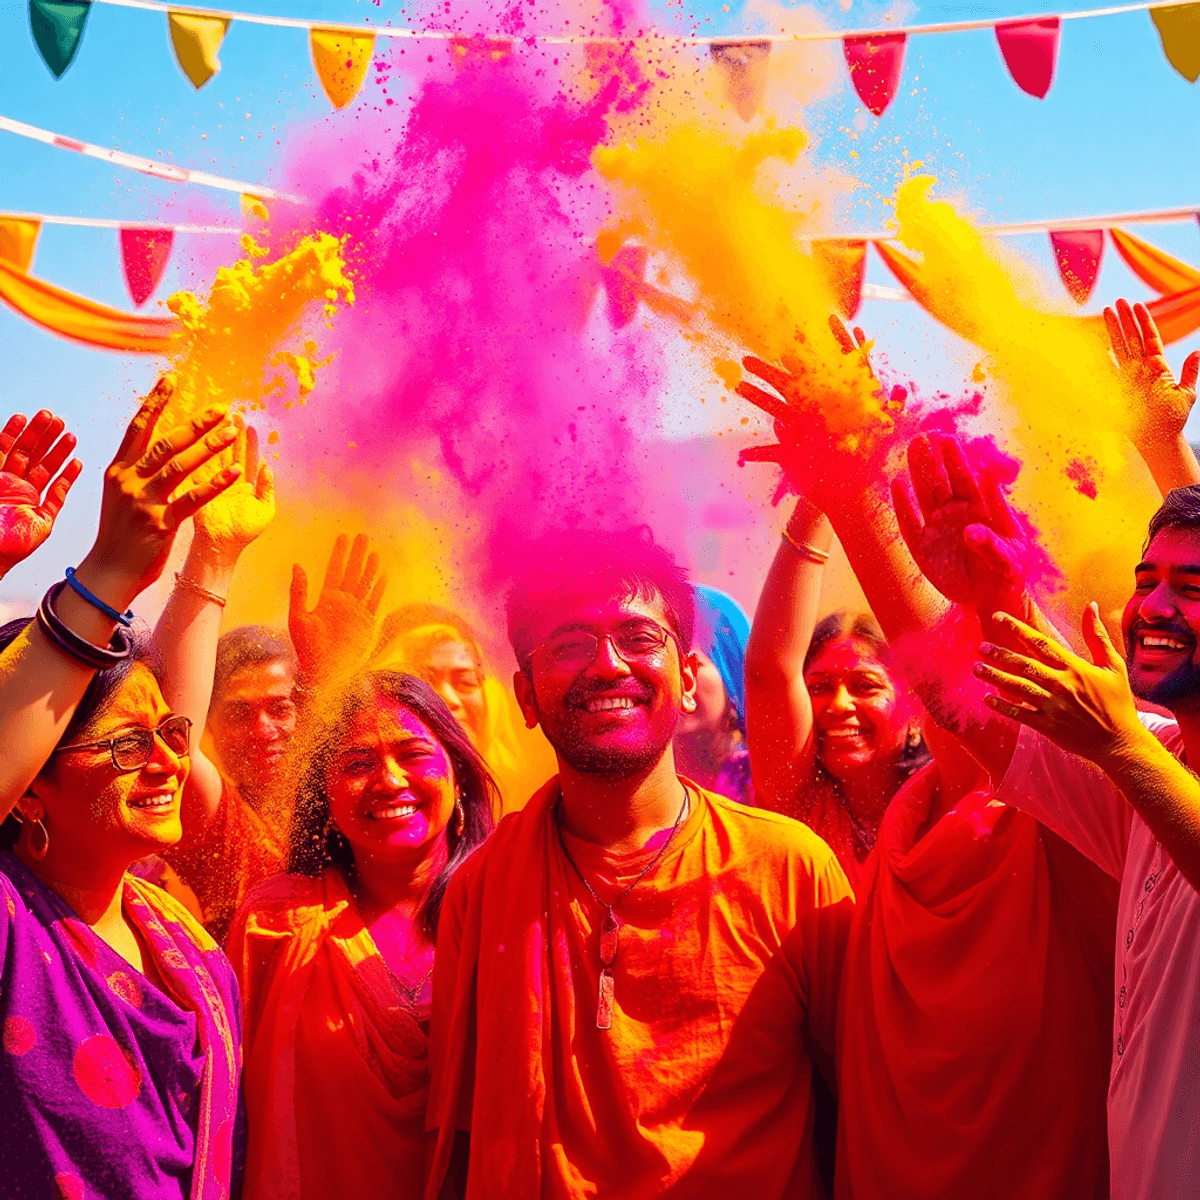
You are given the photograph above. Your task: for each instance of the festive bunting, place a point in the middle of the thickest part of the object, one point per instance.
(1077, 253)
(844, 264)
(1029, 49)
(875, 63)
(57, 27)
(1178, 28)
(144, 254)
(1154, 267)
(80, 319)
(744, 66)
(18, 240)
(197, 42)
(341, 60)
(471, 50)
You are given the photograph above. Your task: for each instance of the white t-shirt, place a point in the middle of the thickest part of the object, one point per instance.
(1154, 1089)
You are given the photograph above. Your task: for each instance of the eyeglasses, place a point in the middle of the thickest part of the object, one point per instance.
(577, 648)
(132, 749)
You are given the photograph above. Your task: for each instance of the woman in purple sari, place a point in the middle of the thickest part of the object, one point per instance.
(119, 1041)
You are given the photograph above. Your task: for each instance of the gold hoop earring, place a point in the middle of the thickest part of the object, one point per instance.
(39, 839)
(460, 817)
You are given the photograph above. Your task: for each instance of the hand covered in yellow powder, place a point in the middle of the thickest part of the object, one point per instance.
(1161, 406)
(228, 524)
(334, 638)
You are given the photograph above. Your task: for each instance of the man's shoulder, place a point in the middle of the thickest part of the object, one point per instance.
(499, 846)
(761, 834)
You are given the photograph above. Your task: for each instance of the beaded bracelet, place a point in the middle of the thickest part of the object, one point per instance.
(190, 585)
(820, 557)
(99, 658)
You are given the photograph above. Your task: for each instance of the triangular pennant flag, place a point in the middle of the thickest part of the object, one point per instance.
(875, 63)
(844, 263)
(1030, 49)
(57, 27)
(341, 60)
(1078, 254)
(197, 42)
(1178, 26)
(18, 240)
(1154, 267)
(477, 50)
(144, 255)
(744, 66)
(621, 278)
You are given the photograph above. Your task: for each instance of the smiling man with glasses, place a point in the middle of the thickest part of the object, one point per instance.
(633, 975)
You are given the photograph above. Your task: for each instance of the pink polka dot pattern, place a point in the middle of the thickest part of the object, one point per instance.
(105, 1073)
(122, 984)
(19, 1036)
(70, 1187)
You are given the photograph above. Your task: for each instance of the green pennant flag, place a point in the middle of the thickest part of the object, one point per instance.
(57, 27)
(1178, 26)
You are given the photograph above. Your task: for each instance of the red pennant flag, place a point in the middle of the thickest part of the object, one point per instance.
(1030, 49)
(621, 279)
(144, 255)
(1078, 256)
(875, 63)
(844, 264)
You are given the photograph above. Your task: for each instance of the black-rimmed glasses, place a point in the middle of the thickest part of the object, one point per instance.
(575, 649)
(132, 749)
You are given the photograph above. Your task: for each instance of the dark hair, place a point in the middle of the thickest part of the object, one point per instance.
(628, 563)
(315, 843)
(247, 646)
(1180, 509)
(863, 628)
(98, 695)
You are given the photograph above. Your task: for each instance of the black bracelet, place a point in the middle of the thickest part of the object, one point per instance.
(70, 643)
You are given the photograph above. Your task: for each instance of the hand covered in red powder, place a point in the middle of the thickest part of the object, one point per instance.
(335, 637)
(1161, 406)
(30, 455)
(960, 530)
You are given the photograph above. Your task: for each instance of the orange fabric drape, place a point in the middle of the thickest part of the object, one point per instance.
(83, 320)
(1177, 314)
(1154, 267)
(974, 1020)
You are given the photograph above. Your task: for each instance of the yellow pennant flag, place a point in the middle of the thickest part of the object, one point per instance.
(18, 240)
(1178, 26)
(197, 41)
(341, 60)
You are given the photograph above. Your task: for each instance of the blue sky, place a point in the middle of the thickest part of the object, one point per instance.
(1116, 133)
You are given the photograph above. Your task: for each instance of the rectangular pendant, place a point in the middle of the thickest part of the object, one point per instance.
(604, 1010)
(609, 928)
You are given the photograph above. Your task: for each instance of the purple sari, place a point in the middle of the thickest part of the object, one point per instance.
(113, 1086)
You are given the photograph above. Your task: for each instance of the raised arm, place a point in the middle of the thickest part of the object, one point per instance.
(185, 639)
(41, 682)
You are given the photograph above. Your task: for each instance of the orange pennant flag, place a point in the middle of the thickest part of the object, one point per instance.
(341, 60)
(1178, 27)
(197, 42)
(1154, 267)
(18, 240)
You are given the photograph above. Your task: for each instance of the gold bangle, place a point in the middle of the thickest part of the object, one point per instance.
(820, 557)
(190, 585)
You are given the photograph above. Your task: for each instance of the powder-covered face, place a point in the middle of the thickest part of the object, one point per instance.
(857, 712)
(1161, 624)
(93, 811)
(450, 668)
(252, 722)
(390, 784)
(612, 718)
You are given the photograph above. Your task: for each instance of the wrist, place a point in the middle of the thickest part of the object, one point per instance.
(1126, 753)
(116, 586)
(211, 563)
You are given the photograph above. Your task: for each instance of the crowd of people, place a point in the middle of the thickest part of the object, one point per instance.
(808, 906)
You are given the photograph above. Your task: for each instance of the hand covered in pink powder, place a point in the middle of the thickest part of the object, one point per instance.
(227, 525)
(335, 637)
(30, 455)
(960, 530)
(1161, 406)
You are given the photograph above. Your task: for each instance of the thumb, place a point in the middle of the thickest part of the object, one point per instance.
(264, 485)
(299, 595)
(1096, 637)
(1190, 372)
(991, 554)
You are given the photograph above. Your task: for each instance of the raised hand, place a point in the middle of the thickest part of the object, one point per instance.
(1161, 404)
(30, 456)
(335, 636)
(228, 524)
(960, 530)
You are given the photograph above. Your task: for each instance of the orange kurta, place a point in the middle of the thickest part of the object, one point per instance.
(973, 1028)
(336, 1059)
(725, 985)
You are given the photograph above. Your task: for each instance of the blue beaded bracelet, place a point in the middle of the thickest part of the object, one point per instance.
(96, 602)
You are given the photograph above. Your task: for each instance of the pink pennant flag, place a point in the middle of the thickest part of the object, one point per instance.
(621, 279)
(1077, 254)
(875, 63)
(144, 254)
(1030, 49)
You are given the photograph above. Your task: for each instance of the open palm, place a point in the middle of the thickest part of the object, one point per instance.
(236, 517)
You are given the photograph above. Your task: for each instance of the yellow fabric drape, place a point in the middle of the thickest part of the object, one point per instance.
(341, 60)
(18, 240)
(80, 319)
(197, 43)
(1178, 27)
(1154, 267)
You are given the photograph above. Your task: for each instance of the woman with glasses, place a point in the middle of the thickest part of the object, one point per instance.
(119, 1020)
